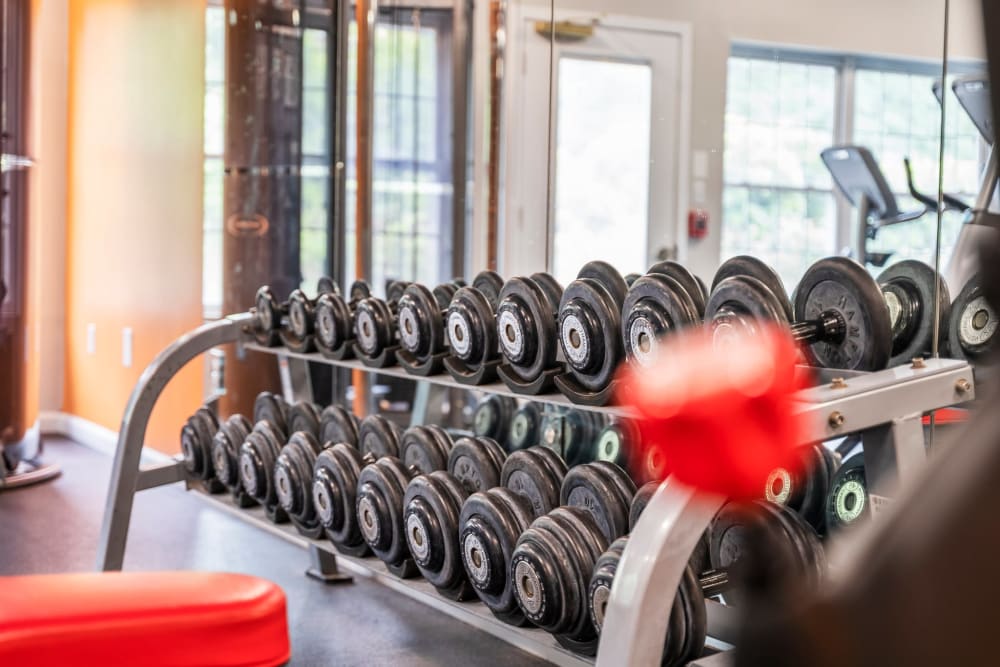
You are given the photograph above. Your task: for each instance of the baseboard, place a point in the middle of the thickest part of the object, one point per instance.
(88, 434)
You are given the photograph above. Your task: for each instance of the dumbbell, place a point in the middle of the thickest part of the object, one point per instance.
(420, 320)
(571, 433)
(590, 327)
(470, 321)
(304, 416)
(493, 417)
(226, 444)
(334, 320)
(379, 437)
(337, 425)
(383, 482)
(620, 443)
(432, 506)
(425, 448)
(273, 409)
(525, 428)
(375, 329)
(737, 523)
(665, 300)
(972, 324)
(688, 624)
(847, 503)
(334, 493)
(258, 455)
(555, 557)
(844, 317)
(803, 486)
(293, 473)
(527, 324)
(197, 436)
(298, 325)
(491, 521)
(267, 314)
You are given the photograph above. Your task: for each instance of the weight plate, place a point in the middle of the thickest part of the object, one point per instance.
(334, 492)
(381, 487)
(842, 286)
(267, 314)
(293, 472)
(847, 503)
(471, 327)
(475, 466)
(639, 502)
(337, 425)
(327, 285)
(590, 332)
(273, 409)
(490, 524)
(525, 428)
(489, 284)
(379, 437)
(630, 278)
(420, 450)
(655, 306)
(493, 416)
(908, 288)
(526, 328)
(304, 416)
(334, 323)
(359, 290)
(443, 294)
(257, 458)
(737, 307)
(973, 322)
(686, 279)
(618, 443)
(745, 265)
(432, 505)
(604, 491)
(608, 276)
(196, 442)
(527, 473)
(394, 290)
(419, 319)
(374, 326)
(551, 288)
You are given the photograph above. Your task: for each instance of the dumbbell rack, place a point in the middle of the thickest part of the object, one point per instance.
(886, 406)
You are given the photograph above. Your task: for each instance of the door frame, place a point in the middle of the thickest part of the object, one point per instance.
(515, 124)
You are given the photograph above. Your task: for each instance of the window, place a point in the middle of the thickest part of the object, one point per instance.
(412, 159)
(782, 110)
(215, 128)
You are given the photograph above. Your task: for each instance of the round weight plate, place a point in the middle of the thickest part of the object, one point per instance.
(266, 317)
(608, 276)
(909, 291)
(843, 286)
(271, 408)
(327, 285)
(655, 306)
(738, 305)
(686, 279)
(525, 428)
(847, 502)
(475, 466)
(550, 287)
(526, 327)
(744, 265)
(359, 290)
(378, 436)
(590, 332)
(337, 425)
(471, 327)
(489, 284)
(303, 416)
(394, 290)
(973, 323)
(418, 318)
(527, 473)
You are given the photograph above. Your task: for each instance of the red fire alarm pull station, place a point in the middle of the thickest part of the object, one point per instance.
(697, 223)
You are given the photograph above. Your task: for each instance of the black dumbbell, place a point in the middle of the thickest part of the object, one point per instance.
(432, 505)
(197, 435)
(844, 317)
(298, 325)
(687, 626)
(334, 492)
(603, 489)
(492, 520)
(304, 416)
(425, 448)
(700, 561)
(258, 455)
(334, 320)
(293, 474)
(590, 325)
(793, 547)
(620, 443)
(525, 428)
(571, 433)
(420, 320)
(273, 409)
(375, 329)
(379, 504)
(973, 323)
(379, 437)
(337, 425)
(848, 503)
(803, 486)
(226, 444)
(470, 321)
(493, 417)
(267, 314)
(667, 299)
(527, 325)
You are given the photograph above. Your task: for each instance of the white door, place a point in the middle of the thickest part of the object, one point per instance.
(618, 135)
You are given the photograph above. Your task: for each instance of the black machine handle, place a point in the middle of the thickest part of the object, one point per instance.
(951, 203)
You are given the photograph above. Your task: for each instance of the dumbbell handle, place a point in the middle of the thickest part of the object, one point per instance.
(714, 582)
(828, 327)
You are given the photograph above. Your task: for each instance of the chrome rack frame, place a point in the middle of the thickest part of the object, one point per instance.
(886, 407)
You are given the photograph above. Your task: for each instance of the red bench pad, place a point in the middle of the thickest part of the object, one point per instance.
(142, 618)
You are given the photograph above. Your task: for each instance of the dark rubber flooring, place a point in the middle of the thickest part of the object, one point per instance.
(54, 527)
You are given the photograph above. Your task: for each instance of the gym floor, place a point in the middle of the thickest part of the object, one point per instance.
(54, 527)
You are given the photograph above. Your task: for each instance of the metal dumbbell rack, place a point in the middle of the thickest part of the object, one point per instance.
(886, 407)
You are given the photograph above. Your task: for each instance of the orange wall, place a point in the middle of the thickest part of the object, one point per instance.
(134, 205)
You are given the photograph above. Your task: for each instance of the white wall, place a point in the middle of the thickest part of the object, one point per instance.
(895, 28)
